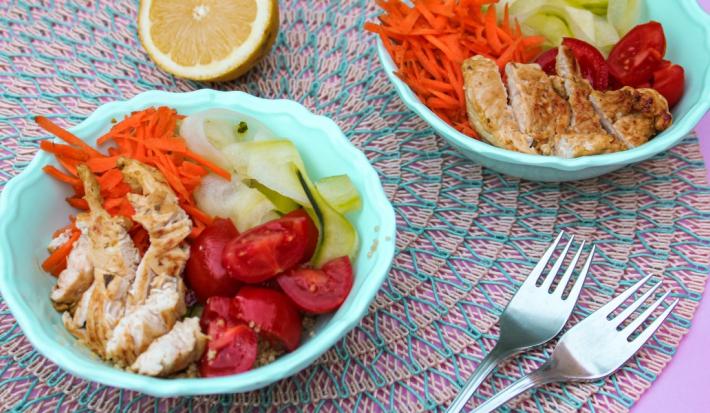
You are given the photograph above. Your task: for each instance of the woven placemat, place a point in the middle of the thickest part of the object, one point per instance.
(466, 235)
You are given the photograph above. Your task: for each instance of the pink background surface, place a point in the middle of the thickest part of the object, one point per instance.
(684, 386)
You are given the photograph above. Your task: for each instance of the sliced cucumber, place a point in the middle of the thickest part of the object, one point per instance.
(340, 193)
(208, 131)
(283, 205)
(541, 17)
(624, 14)
(553, 28)
(245, 206)
(606, 35)
(597, 7)
(338, 236)
(268, 162)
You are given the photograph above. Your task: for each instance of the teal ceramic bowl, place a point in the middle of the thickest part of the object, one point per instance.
(687, 29)
(32, 206)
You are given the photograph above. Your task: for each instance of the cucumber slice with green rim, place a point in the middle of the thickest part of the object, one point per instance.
(340, 193)
(268, 162)
(337, 236)
(283, 204)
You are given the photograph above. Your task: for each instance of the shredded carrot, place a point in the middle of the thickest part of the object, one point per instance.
(429, 40)
(78, 203)
(57, 260)
(65, 135)
(103, 164)
(149, 136)
(197, 214)
(61, 176)
(209, 165)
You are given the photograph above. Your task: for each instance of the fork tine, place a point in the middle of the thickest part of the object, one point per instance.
(612, 305)
(652, 328)
(535, 273)
(550, 277)
(570, 270)
(645, 315)
(636, 304)
(579, 283)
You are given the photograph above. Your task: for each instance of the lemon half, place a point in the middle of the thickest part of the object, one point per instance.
(207, 40)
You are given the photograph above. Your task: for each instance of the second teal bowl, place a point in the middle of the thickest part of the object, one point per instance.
(687, 28)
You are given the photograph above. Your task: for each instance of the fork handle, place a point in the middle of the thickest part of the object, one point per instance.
(495, 356)
(537, 378)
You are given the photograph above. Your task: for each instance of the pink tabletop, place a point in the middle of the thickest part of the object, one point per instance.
(684, 384)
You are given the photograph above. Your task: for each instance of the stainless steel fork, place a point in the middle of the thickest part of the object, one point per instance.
(535, 315)
(594, 348)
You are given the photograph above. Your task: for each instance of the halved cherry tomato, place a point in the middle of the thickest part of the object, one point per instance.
(204, 272)
(230, 350)
(670, 82)
(311, 232)
(591, 62)
(319, 291)
(271, 313)
(638, 54)
(216, 309)
(267, 250)
(548, 61)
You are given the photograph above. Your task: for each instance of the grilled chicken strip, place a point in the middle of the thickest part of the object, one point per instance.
(632, 115)
(164, 306)
(174, 351)
(538, 109)
(114, 259)
(487, 106)
(79, 274)
(586, 136)
(577, 89)
(156, 299)
(158, 211)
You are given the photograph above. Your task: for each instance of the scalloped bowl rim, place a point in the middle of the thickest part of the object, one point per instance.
(668, 139)
(287, 365)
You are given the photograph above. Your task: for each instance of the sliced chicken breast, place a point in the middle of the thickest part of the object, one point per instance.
(158, 211)
(632, 115)
(584, 119)
(157, 296)
(538, 109)
(164, 306)
(586, 135)
(487, 106)
(79, 274)
(114, 259)
(174, 351)
(574, 145)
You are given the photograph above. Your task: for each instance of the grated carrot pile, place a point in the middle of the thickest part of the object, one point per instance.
(429, 41)
(149, 136)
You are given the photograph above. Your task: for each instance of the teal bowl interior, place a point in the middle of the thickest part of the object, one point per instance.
(687, 29)
(32, 207)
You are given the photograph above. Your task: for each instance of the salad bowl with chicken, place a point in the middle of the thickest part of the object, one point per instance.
(196, 243)
(550, 90)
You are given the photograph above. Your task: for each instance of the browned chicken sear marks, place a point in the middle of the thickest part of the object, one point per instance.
(558, 115)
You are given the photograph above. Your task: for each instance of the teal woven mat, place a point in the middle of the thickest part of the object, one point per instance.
(466, 235)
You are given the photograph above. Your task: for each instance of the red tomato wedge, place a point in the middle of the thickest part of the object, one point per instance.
(216, 309)
(311, 232)
(271, 313)
(638, 54)
(230, 350)
(591, 62)
(319, 291)
(670, 82)
(267, 250)
(204, 272)
(548, 61)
